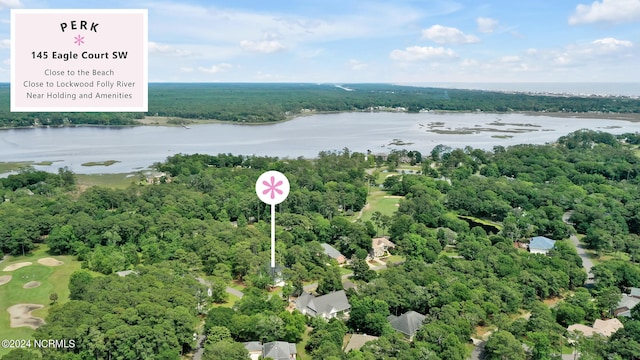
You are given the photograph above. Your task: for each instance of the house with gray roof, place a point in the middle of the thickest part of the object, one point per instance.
(333, 253)
(407, 323)
(635, 292)
(276, 350)
(279, 350)
(625, 305)
(254, 348)
(328, 306)
(541, 245)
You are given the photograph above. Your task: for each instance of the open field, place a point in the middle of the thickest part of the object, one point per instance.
(23, 288)
(379, 200)
(115, 181)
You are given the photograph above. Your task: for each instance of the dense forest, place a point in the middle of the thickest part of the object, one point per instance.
(275, 102)
(203, 220)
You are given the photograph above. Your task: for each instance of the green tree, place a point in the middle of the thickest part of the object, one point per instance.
(79, 282)
(225, 350)
(502, 345)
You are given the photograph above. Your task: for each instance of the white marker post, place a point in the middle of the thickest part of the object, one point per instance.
(272, 188)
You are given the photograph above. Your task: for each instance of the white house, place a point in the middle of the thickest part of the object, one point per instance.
(541, 245)
(327, 306)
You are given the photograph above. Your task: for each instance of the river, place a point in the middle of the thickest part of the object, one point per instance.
(137, 148)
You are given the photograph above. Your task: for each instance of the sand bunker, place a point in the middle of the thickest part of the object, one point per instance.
(31, 285)
(50, 262)
(20, 315)
(17, 266)
(5, 279)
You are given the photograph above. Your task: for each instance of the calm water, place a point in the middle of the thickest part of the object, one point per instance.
(139, 147)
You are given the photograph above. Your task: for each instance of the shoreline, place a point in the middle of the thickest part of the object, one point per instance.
(165, 120)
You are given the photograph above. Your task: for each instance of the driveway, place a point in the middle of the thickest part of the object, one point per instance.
(587, 263)
(229, 289)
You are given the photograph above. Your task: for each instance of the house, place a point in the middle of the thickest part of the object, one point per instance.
(541, 245)
(279, 350)
(276, 350)
(603, 327)
(333, 253)
(380, 247)
(126, 272)
(635, 292)
(625, 305)
(254, 348)
(407, 323)
(327, 306)
(357, 341)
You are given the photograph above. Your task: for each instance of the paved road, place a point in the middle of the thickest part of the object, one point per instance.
(581, 250)
(199, 348)
(586, 259)
(229, 289)
(478, 351)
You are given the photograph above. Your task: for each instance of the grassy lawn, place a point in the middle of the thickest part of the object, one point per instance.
(302, 352)
(482, 221)
(231, 300)
(52, 279)
(114, 181)
(379, 200)
(237, 286)
(345, 271)
(393, 259)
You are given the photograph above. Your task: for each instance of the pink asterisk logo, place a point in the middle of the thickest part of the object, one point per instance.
(79, 40)
(272, 187)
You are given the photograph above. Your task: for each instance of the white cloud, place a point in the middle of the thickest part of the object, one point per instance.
(510, 59)
(5, 44)
(486, 25)
(447, 35)
(154, 47)
(611, 11)
(611, 44)
(214, 69)
(10, 4)
(469, 63)
(419, 53)
(264, 46)
(357, 65)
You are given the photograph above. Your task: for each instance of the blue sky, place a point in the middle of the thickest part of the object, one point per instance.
(398, 41)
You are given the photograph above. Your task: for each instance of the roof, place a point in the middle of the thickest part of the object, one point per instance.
(407, 323)
(278, 350)
(331, 251)
(126, 272)
(326, 304)
(602, 327)
(253, 346)
(541, 243)
(378, 242)
(635, 292)
(584, 329)
(607, 327)
(627, 302)
(357, 341)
